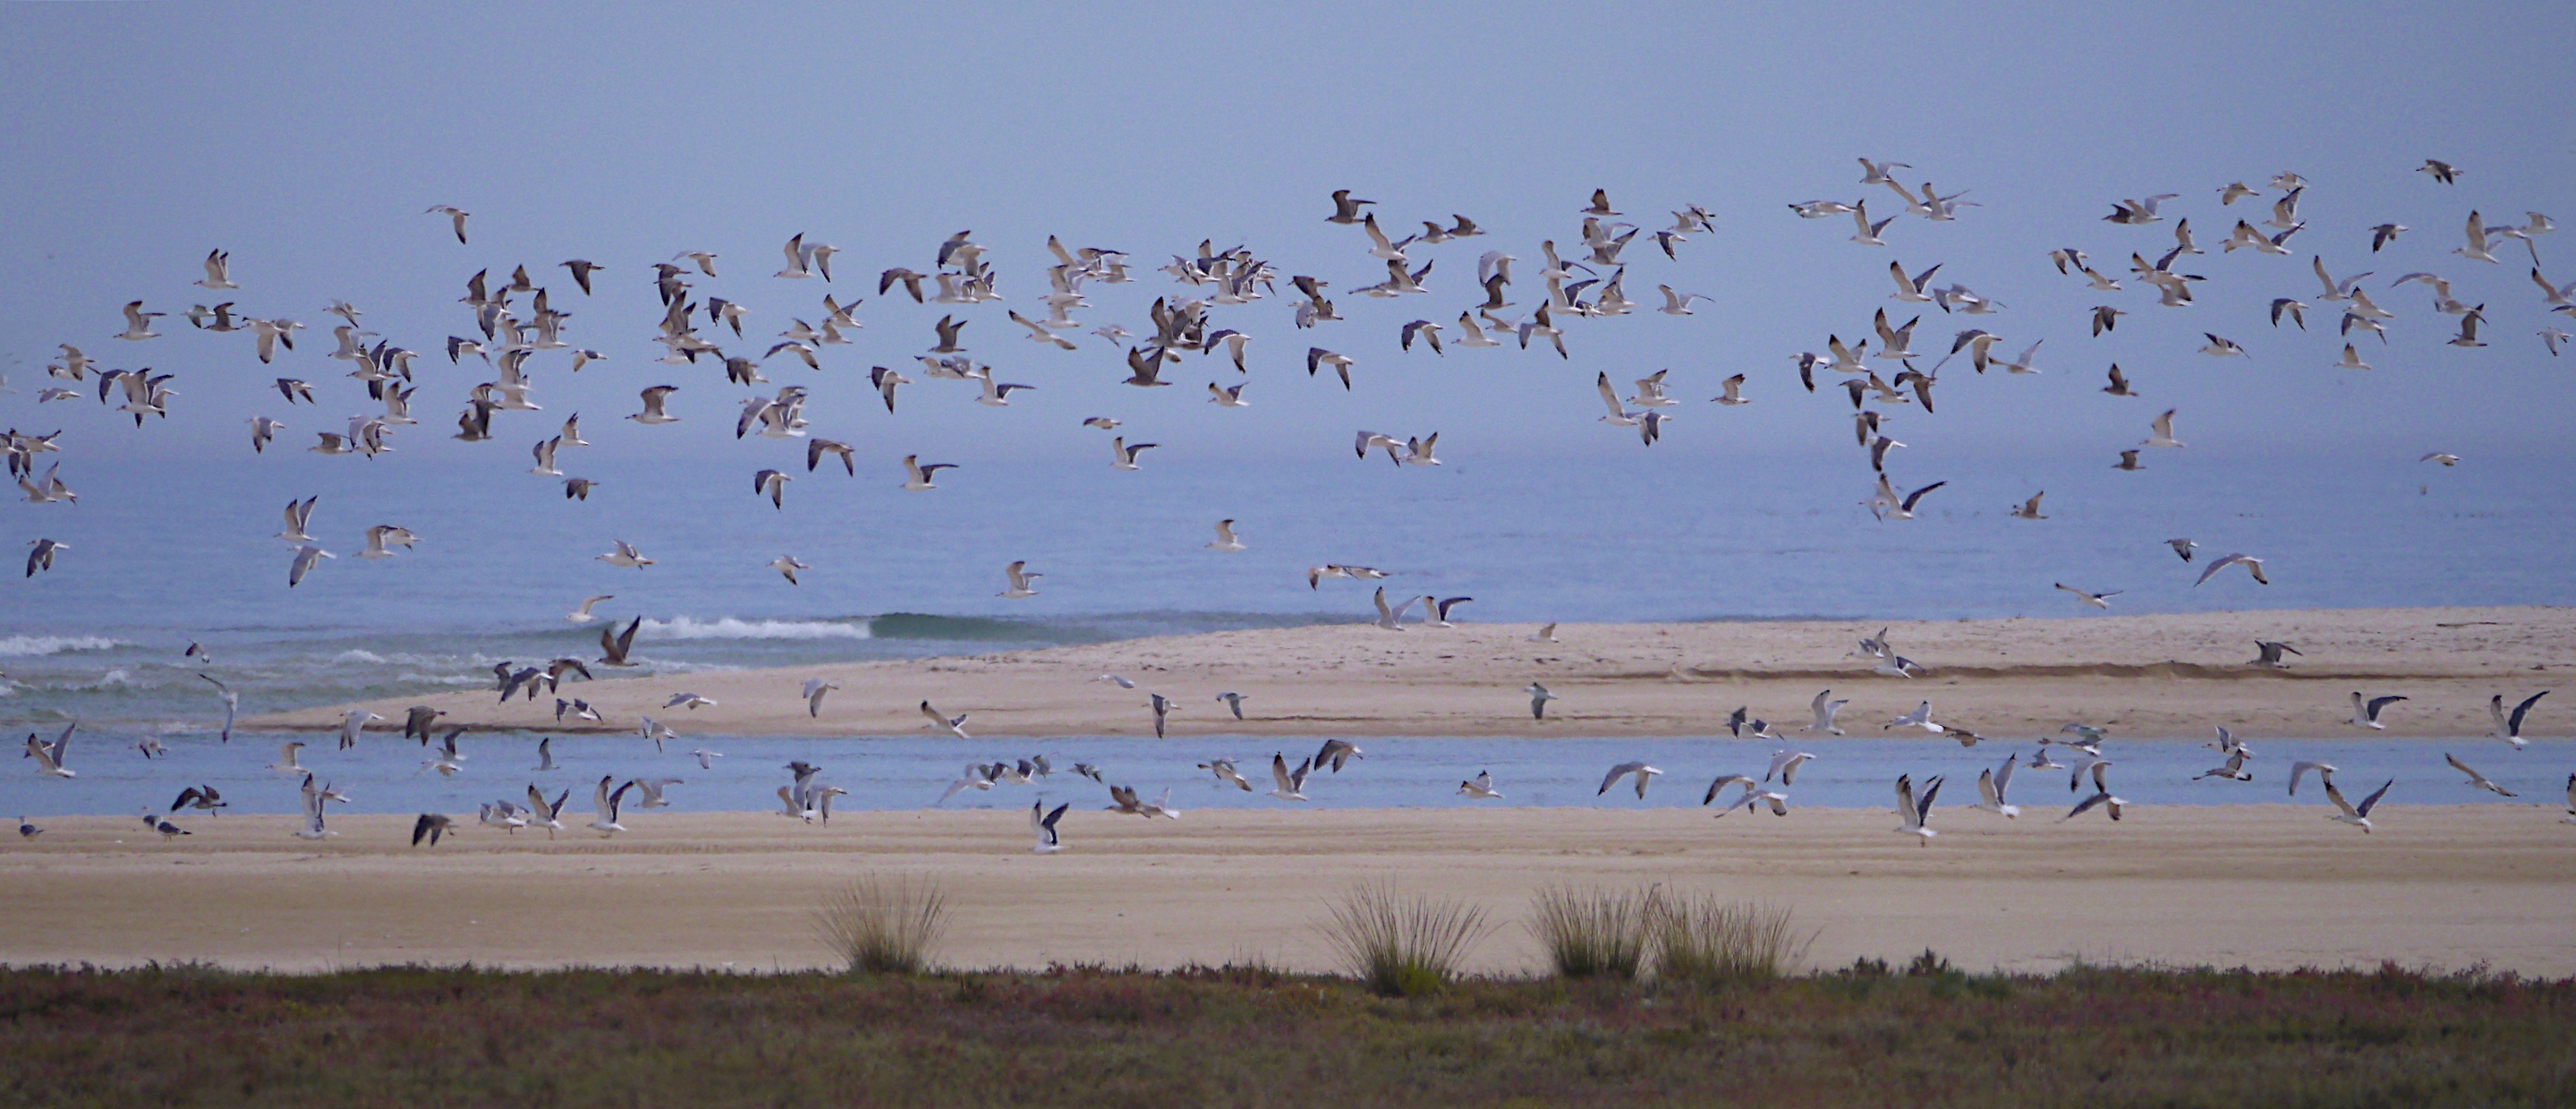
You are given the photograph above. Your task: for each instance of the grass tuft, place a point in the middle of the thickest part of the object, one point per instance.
(884, 926)
(1591, 932)
(1400, 944)
(1708, 940)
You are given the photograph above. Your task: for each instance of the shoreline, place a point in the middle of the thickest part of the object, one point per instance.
(2436, 885)
(2171, 676)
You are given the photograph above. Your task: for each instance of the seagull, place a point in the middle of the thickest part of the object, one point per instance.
(1539, 697)
(1545, 634)
(1734, 394)
(1912, 812)
(1481, 787)
(2101, 798)
(2097, 600)
(1391, 619)
(955, 725)
(2163, 432)
(430, 826)
(232, 705)
(2252, 565)
(918, 475)
(2358, 817)
(1042, 826)
(1885, 505)
(605, 802)
(614, 645)
(1234, 701)
(1225, 540)
(691, 701)
(2268, 653)
(1346, 208)
(2234, 770)
(2509, 728)
(1921, 717)
(2119, 386)
(2444, 459)
(50, 756)
(546, 814)
(624, 555)
(2441, 171)
(787, 565)
(815, 688)
(2476, 780)
(1991, 785)
(1019, 581)
(455, 217)
(2220, 348)
(1725, 780)
(1825, 711)
(2182, 547)
(352, 724)
(653, 788)
(2029, 509)
(1643, 772)
(1335, 752)
(1225, 772)
(383, 534)
(581, 613)
(654, 398)
(306, 557)
(546, 752)
(1289, 785)
(2365, 711)
(167, 829)
(1123, 457)
(1784, 766)
(1162, 707)
(286, 760)
(706, 758)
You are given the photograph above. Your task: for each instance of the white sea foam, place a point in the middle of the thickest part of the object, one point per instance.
(684, 627)
(30, 646)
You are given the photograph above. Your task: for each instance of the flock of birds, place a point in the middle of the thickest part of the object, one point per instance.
(808, 795)
(515, 320)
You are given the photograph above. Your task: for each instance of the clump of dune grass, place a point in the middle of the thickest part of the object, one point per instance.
(1588, 933)
(1706, 938)
(1401, 944)
(884, 926)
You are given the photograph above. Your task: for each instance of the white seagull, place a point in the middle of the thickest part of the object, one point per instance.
(1825, 711)
(1912, 812)
(1643, 772)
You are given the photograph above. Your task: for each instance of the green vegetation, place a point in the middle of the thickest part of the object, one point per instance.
(884, 925)
(1710, 940)
(1402, 945)
(1589, 932)
(1867, 1035)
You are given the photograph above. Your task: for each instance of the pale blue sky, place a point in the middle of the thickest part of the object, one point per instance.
(307, 140)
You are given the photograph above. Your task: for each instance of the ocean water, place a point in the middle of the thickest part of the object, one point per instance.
(162, 556)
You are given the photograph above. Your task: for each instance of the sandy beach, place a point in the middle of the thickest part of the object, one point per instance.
(2271, 886)
(2142, 676)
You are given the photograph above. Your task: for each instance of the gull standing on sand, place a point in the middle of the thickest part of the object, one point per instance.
(1481, 787)
(2509, 728)
(2365, 711)
(1914, 813)
(1643, 772)
(1539, 697)
(2476, 780)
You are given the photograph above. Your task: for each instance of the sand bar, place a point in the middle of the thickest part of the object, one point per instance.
(2269, 886)
(2143, 676)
